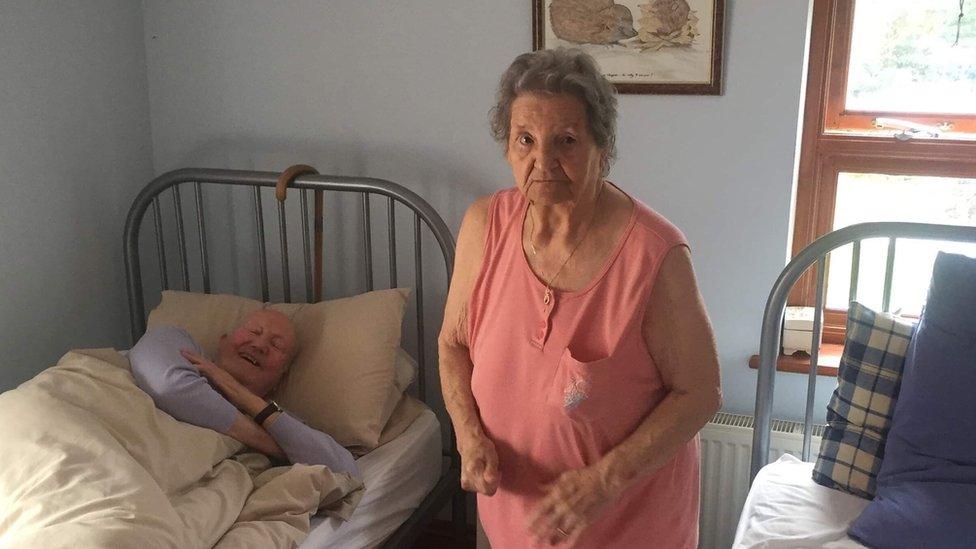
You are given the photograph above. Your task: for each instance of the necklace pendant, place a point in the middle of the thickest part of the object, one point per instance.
(548, 296)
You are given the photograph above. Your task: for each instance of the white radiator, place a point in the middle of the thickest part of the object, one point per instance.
(726, 446)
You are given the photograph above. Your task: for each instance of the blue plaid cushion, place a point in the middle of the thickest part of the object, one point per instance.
(859, 413)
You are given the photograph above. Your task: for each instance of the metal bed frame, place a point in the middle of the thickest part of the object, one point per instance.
(448, 486)
(817, 253)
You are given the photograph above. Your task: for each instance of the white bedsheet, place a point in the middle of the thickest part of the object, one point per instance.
(786, 509)
(398, 476)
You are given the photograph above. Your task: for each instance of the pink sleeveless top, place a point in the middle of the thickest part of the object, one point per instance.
(560, 385)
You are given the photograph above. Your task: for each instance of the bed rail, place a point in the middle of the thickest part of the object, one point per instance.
(816, 254)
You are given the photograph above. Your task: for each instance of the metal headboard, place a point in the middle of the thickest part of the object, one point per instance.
(448, 486)
(817, 252)
(149, 196)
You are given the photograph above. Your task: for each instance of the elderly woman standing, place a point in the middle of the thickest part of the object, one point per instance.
(577, 359)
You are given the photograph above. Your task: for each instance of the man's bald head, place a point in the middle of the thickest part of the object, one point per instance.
(258, 351)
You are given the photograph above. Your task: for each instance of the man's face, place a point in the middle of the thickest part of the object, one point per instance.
(258, 351)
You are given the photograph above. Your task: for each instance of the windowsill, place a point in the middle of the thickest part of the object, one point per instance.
(890, 134)
(799, 363)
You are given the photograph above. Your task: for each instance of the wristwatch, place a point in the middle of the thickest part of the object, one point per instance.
(271, 408)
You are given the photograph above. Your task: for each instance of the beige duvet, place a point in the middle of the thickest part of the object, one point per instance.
(86, 460)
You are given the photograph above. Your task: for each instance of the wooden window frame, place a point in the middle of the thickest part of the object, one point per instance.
(835, 140)
(837, 116)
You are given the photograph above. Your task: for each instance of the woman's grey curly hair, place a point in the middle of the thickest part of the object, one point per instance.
(562, 70)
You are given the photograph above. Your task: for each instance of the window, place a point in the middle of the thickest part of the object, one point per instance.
(864, 197)
(889, 134)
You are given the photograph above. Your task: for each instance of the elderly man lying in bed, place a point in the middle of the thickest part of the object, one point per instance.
(228, 395)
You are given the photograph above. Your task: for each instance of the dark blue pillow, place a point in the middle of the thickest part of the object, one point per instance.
(927, 484)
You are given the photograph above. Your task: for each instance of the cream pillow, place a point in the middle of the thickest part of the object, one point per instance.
(343, 378)
(404, 414)
(204, 316)
(405, 372)
(349, 375)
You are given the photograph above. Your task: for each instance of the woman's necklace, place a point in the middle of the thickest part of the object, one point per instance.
(547, 296)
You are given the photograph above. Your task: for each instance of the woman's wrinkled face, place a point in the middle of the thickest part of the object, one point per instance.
(554, 157)
(258, 351)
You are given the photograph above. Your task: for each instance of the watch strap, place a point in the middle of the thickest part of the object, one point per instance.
(271, 408)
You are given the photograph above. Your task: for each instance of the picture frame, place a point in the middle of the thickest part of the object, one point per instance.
(641, 46)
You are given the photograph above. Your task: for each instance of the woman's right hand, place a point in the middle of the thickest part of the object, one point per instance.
(479, 464)
(479, 460)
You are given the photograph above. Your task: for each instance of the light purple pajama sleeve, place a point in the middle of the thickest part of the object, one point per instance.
(174, 384)
(178, 389)
(302, 444)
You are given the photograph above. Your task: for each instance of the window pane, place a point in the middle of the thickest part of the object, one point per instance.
(903, 57)
(870, 278)
(876, 197)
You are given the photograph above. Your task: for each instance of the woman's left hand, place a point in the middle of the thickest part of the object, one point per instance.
(571, 503)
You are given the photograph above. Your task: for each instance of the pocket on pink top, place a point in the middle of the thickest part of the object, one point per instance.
(582, 389)
(610, 394)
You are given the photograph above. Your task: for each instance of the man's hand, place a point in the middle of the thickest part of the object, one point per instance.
(233, 390)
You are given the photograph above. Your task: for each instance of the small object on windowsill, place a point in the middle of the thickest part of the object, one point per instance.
(908, 129)
(797, 330)
(827, 362)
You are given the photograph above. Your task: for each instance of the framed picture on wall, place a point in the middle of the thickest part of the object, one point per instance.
(642, 46)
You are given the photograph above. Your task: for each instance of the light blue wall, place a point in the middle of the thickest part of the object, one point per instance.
(400, 91)
(74, 149)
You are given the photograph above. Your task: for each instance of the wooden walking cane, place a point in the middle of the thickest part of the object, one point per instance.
(286, 178)
(317, 224)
